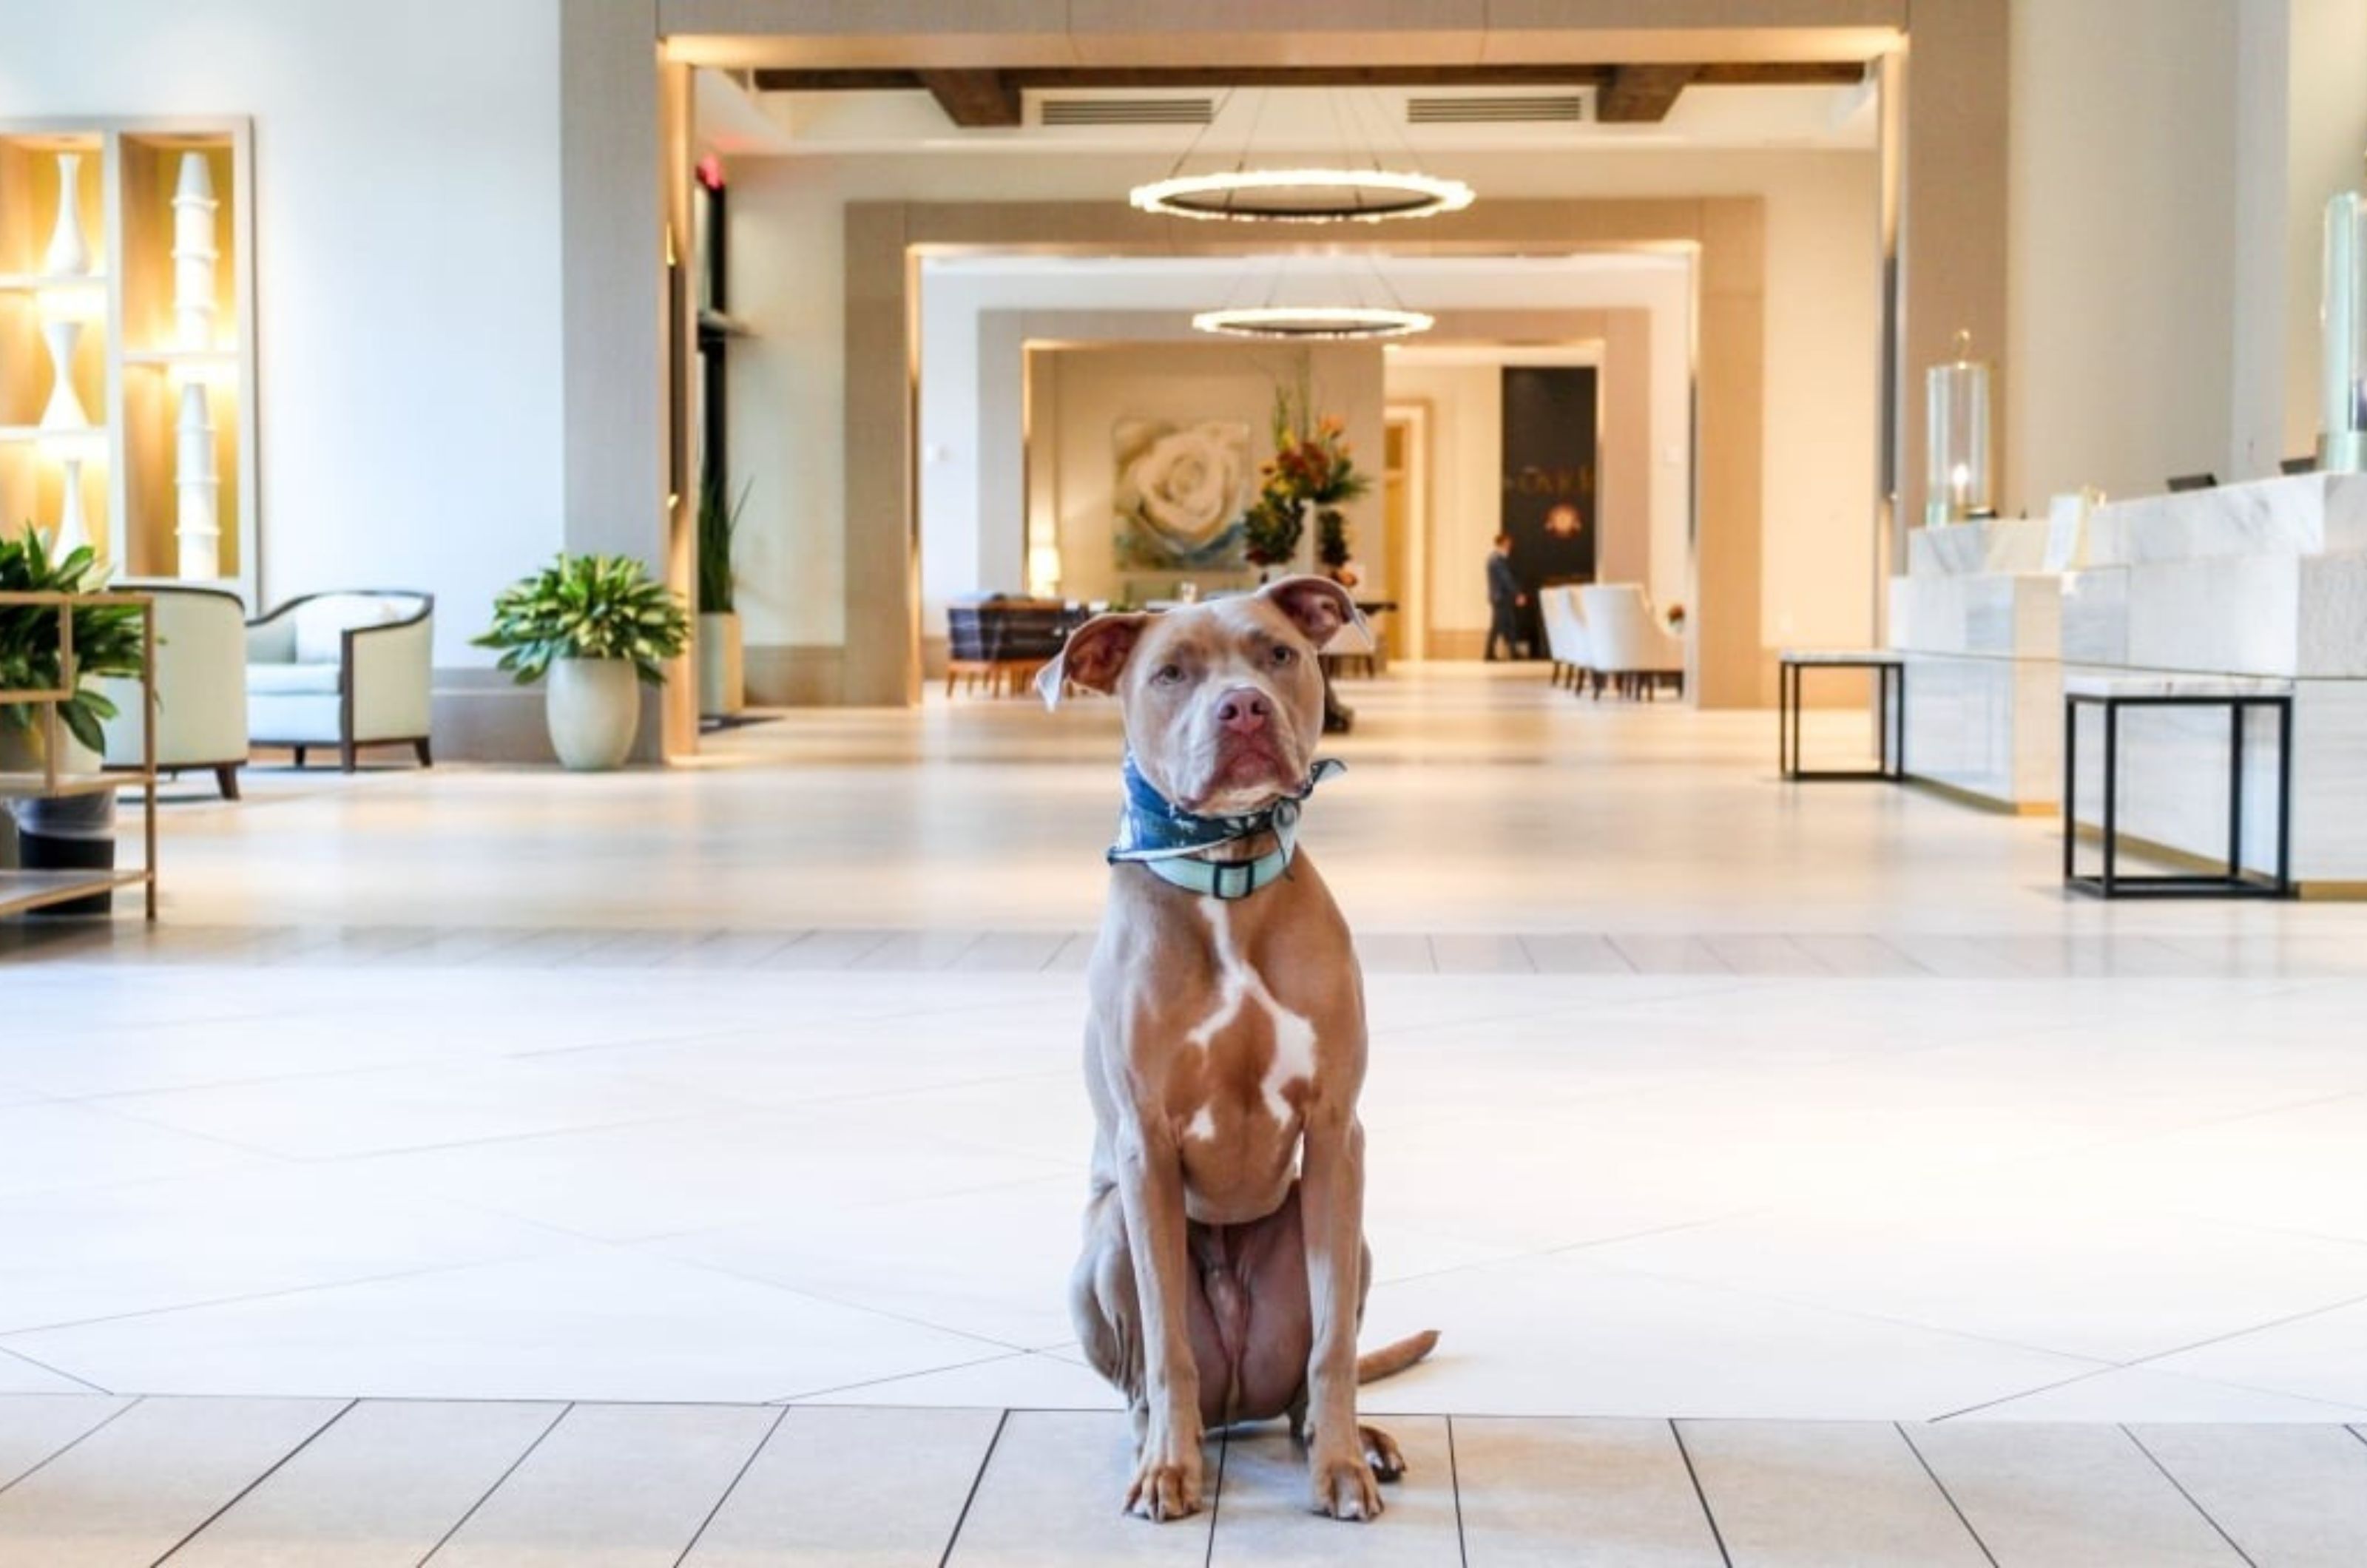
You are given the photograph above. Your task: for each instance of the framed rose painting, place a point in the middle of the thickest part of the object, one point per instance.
(1182, 493)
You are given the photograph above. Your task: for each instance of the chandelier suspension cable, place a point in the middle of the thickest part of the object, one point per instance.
(1214, 120)
(1361, 190)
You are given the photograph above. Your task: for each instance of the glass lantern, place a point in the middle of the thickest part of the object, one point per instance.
(1957, 479)
(2342, 316)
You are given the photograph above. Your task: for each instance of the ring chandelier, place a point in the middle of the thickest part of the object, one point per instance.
(1301, 322)
(1303, 196)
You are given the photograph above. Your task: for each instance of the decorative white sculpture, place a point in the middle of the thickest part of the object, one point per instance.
(64, 410)
(69, 252)
(72, 533)
(194, 252)
(199, 527)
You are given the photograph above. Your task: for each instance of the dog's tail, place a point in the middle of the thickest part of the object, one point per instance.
(1390, 1360)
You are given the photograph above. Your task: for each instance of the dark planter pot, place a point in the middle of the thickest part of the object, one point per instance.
(73, 834)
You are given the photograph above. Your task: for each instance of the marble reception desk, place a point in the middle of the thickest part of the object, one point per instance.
(1979, 626)
(2266, 580)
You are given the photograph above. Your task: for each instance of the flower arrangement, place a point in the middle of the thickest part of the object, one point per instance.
(1312, 462)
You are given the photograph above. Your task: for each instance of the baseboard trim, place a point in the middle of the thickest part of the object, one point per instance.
(797, 675)
(1960, 795)
(482, 715)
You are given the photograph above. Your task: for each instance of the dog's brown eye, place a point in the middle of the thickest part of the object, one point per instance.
(1168, 674)
(1283, 655)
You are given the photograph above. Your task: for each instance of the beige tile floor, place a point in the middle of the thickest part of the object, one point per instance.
(1695, 1097)
(89, 1482)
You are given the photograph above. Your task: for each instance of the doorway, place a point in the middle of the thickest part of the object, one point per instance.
(1405, 526)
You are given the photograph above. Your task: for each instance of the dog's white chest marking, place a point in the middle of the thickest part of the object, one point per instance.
(1239, 985)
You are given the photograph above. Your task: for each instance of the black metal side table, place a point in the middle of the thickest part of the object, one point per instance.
(1890, 714)
(2112, 694)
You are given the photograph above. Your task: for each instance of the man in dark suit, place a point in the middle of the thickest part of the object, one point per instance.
(1506, 600)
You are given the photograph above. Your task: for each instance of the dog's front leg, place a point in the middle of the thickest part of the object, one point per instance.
(1167, 1475)
(1331, 1199)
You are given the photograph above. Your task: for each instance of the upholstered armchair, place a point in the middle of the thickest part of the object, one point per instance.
(345, 669)
(1565, 634)
(1627, 641)
(200, 686)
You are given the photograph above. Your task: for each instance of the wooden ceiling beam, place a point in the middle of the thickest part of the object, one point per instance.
(1011, 80)
(974, 99)
(1643, 95)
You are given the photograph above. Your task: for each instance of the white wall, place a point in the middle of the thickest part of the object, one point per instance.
(2122, 239)
(407, 257)
(1822, 350)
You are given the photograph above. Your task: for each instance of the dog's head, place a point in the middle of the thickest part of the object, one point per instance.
(1223, 701)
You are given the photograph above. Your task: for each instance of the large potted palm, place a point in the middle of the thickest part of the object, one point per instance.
(601, 629)
(74, 832)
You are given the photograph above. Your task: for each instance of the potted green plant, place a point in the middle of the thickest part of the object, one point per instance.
(73, 832)
(722, 677)
(601, 629)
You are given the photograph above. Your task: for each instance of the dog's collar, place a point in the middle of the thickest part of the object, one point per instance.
(1167, 841)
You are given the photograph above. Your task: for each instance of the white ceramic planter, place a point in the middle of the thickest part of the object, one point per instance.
(722, 666)
(594, 707)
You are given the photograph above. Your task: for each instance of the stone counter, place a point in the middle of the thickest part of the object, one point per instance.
(2262, 580)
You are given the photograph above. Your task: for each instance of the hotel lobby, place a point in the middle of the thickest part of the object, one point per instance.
(584, 1056)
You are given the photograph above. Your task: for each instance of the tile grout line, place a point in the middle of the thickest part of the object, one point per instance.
(737, 1477)
(499, 1481)
(1455, 1484)
(1709, 1515)
(2191, 1501)
(128, 1404)
(1945, 1496)
(976, 1482)
(273, 1469)
(808, 1395)
(15, 1354)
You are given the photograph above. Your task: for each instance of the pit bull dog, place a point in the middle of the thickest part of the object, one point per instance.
(1224, 1270)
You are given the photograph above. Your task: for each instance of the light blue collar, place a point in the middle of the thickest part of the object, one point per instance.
(1166, 840)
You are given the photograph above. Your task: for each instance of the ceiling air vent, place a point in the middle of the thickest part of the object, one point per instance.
(1125, 111)
(1526, 108)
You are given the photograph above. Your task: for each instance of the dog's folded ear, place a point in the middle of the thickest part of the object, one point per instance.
(1094, 658)
(1321, 610)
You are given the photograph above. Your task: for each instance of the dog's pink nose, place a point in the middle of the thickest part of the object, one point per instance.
(1244, 712)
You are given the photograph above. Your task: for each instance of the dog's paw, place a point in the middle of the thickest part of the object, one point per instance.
(1381, 1451)
(1165, 1486)
(1344, 1486)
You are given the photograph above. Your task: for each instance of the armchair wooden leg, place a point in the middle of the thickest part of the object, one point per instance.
(427, 756)
(346, 755)
(227, 777)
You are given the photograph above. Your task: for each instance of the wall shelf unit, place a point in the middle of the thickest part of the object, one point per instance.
(163, 362)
